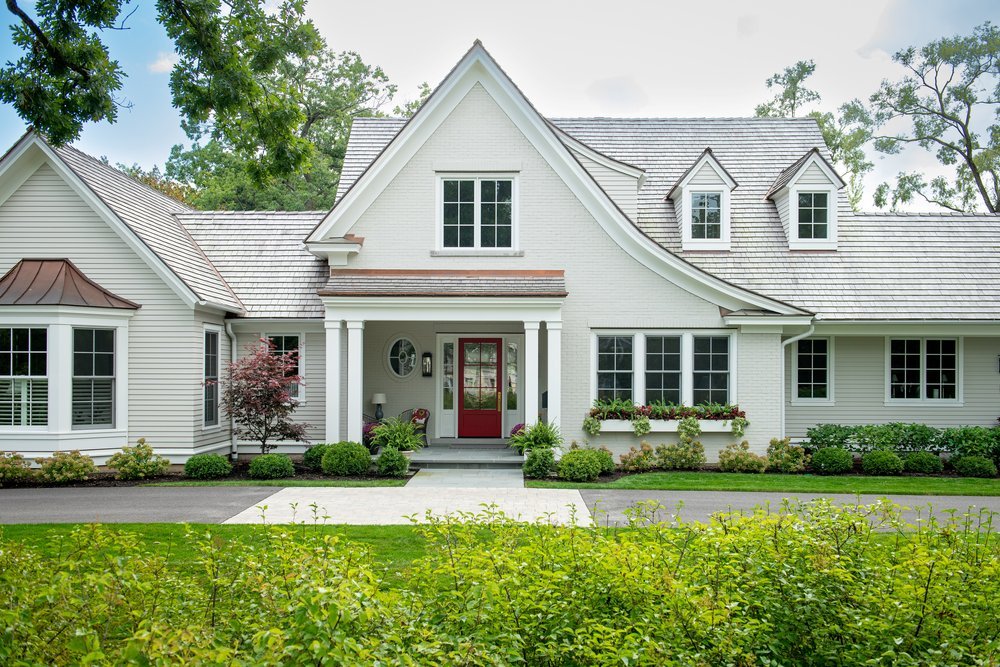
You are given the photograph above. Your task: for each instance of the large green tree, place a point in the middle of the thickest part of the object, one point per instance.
(224, 84)
(944, 103)
(842, 133)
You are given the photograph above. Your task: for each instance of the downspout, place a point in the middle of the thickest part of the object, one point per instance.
(784, 344)
(233, 450)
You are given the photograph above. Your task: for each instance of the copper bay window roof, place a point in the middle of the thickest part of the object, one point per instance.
(55, 282)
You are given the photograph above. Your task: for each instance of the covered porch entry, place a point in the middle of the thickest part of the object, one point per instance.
(480, 364)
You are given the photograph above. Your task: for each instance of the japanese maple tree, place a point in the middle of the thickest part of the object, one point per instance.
(258, 396)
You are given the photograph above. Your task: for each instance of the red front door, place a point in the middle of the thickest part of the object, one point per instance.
(480, 392)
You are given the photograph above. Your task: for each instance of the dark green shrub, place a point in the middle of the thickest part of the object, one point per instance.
(832, 461)
(65, 467)
(923, 462)
(737, 457)
(829, 435)
(139, 462)
(876, 437)
(681, 456)
(541, 462)
(392, 463)
(271, 466)
(919, 438)
(881, 462)
(638, 460)
(971, 441)
(14, 468)
(207, 466)
(975, 466)
(539, 435)
(347, 459)
(580, 465)
(783, 456)
(312, 458)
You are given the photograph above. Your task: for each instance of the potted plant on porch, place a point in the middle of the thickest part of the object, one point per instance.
(399, 434)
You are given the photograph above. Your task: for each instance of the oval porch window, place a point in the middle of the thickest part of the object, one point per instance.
(403, 357)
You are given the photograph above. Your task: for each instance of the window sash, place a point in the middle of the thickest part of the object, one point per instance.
(814, 215)
(211, 379)
(706, 215)
(93, 388)
(664, 374)
(615, 367)
(477, 213)
(923, 369)
(812, 368)
(283, 344)
(24, 385)
(710, 374)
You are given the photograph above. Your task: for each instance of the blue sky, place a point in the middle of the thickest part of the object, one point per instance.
(572, 58)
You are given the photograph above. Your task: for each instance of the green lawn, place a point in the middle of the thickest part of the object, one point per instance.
(394, 547)
(720, 481)
(285, 482)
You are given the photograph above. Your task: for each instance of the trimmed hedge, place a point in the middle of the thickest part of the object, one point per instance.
(392, 463)
(832, 461)
(907, 438)
(540, 463)
(581, 465)
(975, 466)
(271, 466)
(207, 466)
(923, 462)
(312, 458)
(881, 462)
(346, 459)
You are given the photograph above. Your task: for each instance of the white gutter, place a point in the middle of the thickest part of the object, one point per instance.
(234, 451)
(784, 344)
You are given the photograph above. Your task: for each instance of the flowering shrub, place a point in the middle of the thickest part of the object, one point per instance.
(783, 456)
(14, 468)
(139, 462)
(739, 458)
(65, 467)
(638, 460)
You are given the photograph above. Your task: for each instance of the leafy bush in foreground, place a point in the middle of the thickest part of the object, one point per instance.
(207, 466)
(271, 466)
(808, 584)
(832, 461)
(139, 462)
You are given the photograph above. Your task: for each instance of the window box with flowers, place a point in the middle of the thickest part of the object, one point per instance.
(623, 417)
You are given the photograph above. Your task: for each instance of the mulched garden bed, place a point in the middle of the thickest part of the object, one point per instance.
(106, 478)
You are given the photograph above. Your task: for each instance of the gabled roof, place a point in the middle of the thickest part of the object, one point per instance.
(444, 283)
(144, 218)
(478, 67)
(707, 156)
(55, 282)
(792, 172)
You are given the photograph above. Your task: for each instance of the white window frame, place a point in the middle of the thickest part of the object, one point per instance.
(796, 243)
(17, 428)
(794, 379)
(301, 398)
(114, 378)
(959, 399)
(477, 248)
(217, 330)
(687, 337)
(687, 240)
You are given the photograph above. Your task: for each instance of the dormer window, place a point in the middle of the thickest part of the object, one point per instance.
(805, 196)
(701, 202)
(477, 213)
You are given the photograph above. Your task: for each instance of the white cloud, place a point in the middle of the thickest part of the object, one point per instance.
(164, 63)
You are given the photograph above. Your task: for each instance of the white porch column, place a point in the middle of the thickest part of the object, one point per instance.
(60, 368)
(355, 381)
(554, 352)
(333, 337)
(530, 372)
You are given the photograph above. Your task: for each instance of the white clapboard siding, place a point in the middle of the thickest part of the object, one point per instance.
(622, 188)
(213, 438)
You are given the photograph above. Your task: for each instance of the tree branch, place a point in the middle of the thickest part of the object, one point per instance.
(57, 56)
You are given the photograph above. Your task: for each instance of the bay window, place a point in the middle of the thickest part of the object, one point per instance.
(24, 384)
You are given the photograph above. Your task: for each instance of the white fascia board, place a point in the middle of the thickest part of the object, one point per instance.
(909, 328)
(444, 309)
(249, 325)
(600, 158)
(772, 320)
(479, 67)
(123, 231)
(709, 159)
(77, 315)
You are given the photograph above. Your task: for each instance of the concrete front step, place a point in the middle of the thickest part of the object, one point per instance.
(447, 457)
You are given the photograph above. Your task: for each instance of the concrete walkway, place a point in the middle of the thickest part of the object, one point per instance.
(469, 478)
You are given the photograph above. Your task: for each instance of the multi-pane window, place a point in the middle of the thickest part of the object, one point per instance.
(813, 215)
(706, 215)
(711, 369)
(614, 367)
(478, 213)
(923, 368)
(93, 378)
(813, 368)
(283, 344)
(511, 375)
(24, 385)
(211, 391)
(663, 369)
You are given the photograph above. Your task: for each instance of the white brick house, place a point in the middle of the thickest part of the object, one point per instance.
(531, 264)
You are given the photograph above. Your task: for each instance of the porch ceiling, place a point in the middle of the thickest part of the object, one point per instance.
(443, 283)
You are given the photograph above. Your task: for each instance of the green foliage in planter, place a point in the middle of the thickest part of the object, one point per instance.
(396, 433)
(975, 466)
(688, 429)
(14, 468)
(64, 467)
(347, 459)
(271, 466)
(738, 426)
(641, 425)
(739, 458)
(829, 435)
(580, 465)
(312, 458)
(207, 466)
(139, 462)
(392, 463)
(923, 462)
(832, 461)
(591, 425)
(783, 456)
(881, 462)
(541, 463)
(638, 460)
(540, 435)
(681, 456)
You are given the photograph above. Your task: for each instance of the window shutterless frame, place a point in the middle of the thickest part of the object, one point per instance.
(285, 343)
(95, 361)
(922, 386)
(480, 209)
(796, 365)
(211, 387)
